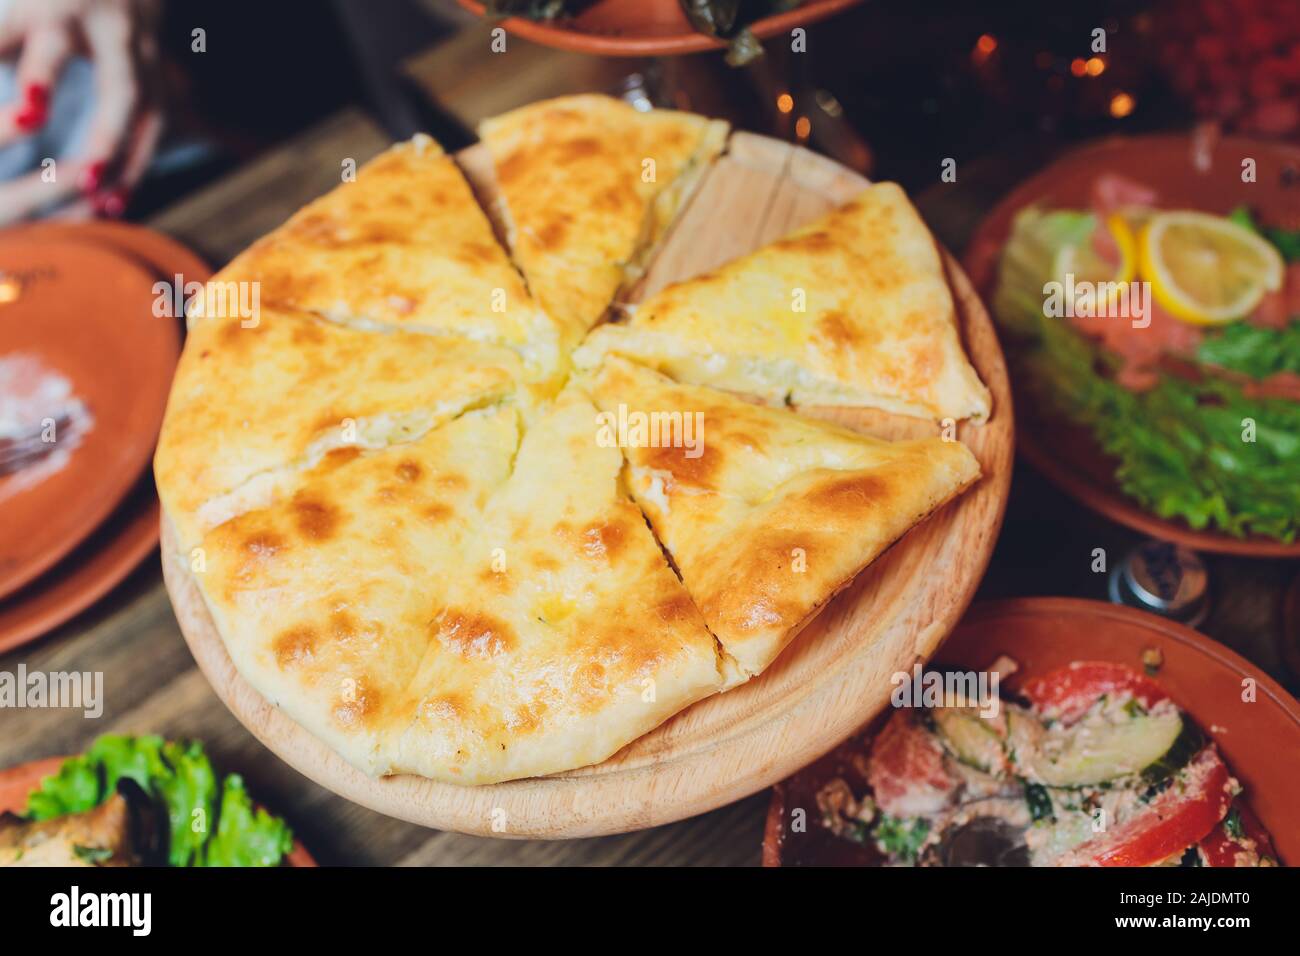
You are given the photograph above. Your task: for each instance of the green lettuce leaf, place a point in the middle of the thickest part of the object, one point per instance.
(1287, 241)
(246, 836)
(1028, 258)
(84, 782)
(188, 792)
(179, 776)
(1254, 351)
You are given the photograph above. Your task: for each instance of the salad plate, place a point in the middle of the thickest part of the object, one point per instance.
(1178, 422)
(1214, 785)
(39, 792)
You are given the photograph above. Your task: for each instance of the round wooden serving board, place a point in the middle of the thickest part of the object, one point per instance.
(830, 681)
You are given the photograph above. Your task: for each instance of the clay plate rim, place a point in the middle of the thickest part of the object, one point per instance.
(615, 36)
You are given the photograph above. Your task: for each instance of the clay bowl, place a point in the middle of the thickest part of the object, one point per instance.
(1041, 634)
(647, 27)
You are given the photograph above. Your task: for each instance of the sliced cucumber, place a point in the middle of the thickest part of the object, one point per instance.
(972, 739)
(1190, 742)
(1024, 737)
(1086, 754)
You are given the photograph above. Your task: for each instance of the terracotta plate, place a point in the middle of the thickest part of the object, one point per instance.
(93, 568)
(17, 782)
(82, 311)
(117, 545)
(1203, 677)
(1068, 454)
(647, 27)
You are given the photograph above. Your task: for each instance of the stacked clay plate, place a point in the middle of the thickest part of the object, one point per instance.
(457, 521)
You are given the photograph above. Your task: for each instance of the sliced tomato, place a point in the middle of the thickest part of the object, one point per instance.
(1067, 692)
(1179, 817)
(1283, 385)
(1221, 849)
(1112, 192)
(1276, 308)
(907, 771)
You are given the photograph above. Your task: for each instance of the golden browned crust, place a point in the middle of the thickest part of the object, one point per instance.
(589, 185)
(405, 246)
(436, 609)
(777, 512)
(248, 402)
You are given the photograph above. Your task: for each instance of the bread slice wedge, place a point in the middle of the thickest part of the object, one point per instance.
(852, 310)
(765, 513)
(589, 187)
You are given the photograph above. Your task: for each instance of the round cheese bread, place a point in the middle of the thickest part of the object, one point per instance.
(440, 552)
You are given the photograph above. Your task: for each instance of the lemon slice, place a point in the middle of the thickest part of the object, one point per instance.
(1082, 261)
(1205, 269)
(1136, 219)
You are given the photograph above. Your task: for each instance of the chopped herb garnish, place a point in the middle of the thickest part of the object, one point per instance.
(901, 838)
(1040, 802)
(1232, 825)
(1134, 708)
(1153, 791)
(859, 832)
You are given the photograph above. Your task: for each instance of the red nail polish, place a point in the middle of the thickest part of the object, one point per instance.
(36, 108)
(28, 121)
(111, 204)
(91, 177)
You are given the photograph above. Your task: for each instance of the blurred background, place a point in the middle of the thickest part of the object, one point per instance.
(888, 86)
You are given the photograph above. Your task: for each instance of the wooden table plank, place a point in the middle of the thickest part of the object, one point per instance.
(465, 78)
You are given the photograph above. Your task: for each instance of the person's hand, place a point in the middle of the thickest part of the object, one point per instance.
(118, 37)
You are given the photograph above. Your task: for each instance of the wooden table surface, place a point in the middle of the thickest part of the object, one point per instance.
(151, 684)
